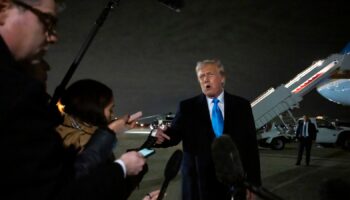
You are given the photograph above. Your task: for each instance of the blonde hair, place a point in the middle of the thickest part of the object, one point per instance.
(218, 63)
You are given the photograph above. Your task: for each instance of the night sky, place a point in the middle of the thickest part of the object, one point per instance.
(147, 53)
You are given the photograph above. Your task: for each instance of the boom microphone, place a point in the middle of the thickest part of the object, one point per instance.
(229, 169)
(171, 169)
(175, 5)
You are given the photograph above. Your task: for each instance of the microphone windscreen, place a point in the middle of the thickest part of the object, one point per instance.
(227, 162)
(173, 165)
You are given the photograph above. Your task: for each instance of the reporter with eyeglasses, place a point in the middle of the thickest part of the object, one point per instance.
(34, 163)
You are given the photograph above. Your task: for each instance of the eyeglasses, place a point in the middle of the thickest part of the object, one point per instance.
(48, 20)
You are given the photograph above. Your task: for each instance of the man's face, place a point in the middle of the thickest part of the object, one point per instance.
(210, 80)
(28, 31)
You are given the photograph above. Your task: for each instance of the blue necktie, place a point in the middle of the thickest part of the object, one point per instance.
(216, 119)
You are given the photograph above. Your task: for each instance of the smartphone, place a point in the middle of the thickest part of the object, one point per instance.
(146, 152)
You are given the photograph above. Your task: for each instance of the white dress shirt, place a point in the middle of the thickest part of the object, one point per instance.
(221, 104)
(306, 134)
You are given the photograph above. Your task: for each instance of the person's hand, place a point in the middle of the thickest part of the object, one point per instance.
(133, 118)
(122, 124)
(161, 136)
(250, 195)
(133, 162)
(131, 124)
(152, 195)
(119, 125)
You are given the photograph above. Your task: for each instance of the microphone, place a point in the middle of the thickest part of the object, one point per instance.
(229, 169)
(171, 169)
(175, 5)
(228, 165)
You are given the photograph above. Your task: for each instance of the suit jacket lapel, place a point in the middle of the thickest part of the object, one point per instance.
(232, 113)
(204, 114)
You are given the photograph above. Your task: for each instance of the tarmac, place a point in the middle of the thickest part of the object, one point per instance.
(279, 173)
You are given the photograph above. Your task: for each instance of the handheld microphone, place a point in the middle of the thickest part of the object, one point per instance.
(171, 169)
(227, 162)
(229, 169)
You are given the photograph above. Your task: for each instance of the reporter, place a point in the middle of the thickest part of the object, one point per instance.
(34, 163)
(88, 109)
(88, 105)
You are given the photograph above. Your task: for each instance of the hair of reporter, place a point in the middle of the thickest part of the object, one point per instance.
(86, 99)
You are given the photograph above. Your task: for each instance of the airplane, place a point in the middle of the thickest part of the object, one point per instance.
(337, 88)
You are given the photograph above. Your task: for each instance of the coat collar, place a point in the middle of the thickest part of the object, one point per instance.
(74, 123)
(203, 110)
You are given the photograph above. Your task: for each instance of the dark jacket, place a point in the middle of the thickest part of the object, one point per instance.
(192, 126)
(34, 163)
(311, 130)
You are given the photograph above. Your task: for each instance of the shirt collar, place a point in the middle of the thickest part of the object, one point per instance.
(220, 98)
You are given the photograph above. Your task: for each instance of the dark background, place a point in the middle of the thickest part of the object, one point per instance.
(147, 53)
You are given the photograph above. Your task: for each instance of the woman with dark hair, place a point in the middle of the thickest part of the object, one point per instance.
(88, 104)
(88, 108)
(87, 99)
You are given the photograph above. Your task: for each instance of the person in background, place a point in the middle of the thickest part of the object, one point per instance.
(306, 134)
(201, 119)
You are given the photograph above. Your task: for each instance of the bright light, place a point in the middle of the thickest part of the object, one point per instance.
(60, 107)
